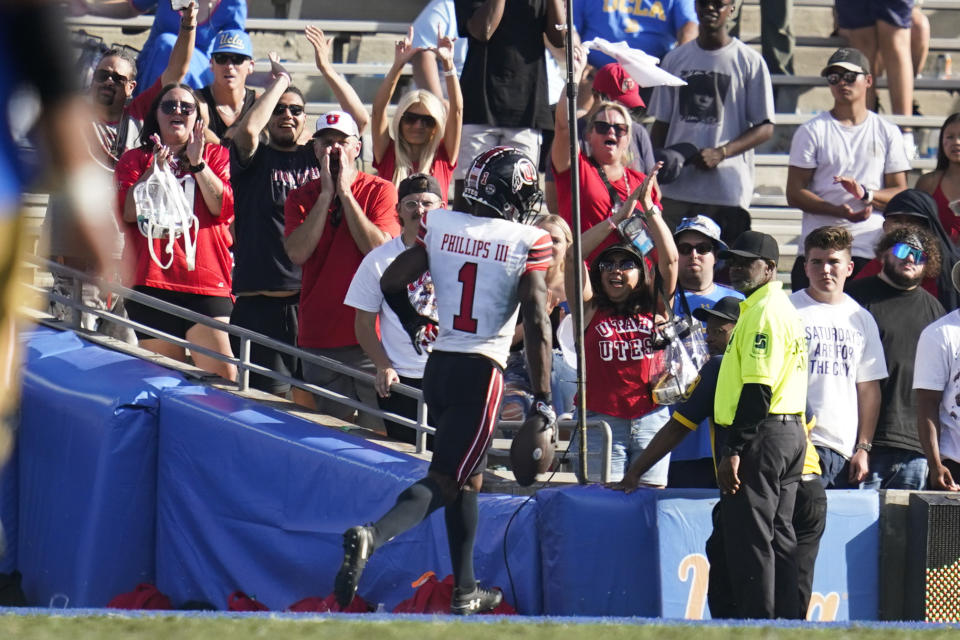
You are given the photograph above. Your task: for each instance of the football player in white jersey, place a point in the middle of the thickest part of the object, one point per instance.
(486, 265)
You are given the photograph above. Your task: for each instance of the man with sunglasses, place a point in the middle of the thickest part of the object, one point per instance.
(723, 112)
(845, 162)
(902, 309)
(698, 241)
(228, 98)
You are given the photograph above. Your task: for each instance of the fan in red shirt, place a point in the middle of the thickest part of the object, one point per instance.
(424, 135)
(330, 224)
(203, 170)
(605, 179)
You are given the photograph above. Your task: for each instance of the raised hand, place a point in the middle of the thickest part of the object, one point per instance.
(276, 69)
(188, 16)
(444, 49)
(404, 50)
(194, 149)
(321, 47)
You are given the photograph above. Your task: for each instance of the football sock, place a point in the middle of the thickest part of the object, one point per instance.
(415, 503)
(461, 518)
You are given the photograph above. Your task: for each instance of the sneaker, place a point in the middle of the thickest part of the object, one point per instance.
(357, 548)
(476, 601)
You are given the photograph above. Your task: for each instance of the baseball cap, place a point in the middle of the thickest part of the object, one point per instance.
(849, 59)
(615, 83)
(233, 41)
(339, 121)
(912, 202)
(625, 247)
(753, 244)
(726, 308)
(418, 183)
(703, 225)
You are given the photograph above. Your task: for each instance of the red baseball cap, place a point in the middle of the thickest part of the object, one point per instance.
(615, 83)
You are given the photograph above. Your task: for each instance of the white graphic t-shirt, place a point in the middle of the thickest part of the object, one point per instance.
(937, 368)
(843, 348)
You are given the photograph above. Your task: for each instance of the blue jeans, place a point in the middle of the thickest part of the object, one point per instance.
(893, 468)
(834, 469)
(630, 438)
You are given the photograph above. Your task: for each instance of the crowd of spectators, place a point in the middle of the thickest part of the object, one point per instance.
(292, 238)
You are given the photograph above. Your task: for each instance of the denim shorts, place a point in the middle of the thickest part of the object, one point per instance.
(630, 438)
(893, 468)
(857, 14)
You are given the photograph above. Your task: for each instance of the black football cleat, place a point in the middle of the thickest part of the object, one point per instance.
(357, 548)
(476, 601)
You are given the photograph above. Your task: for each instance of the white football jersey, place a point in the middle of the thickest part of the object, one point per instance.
(476, 264)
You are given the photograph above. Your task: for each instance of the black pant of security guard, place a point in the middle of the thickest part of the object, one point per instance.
(756, 522)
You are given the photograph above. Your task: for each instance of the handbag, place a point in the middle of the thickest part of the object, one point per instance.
(684, 347)
(164, 213)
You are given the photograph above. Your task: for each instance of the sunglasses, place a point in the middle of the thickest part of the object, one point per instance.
(227, 58)
(294, 109)
(603, 128)
(902, 251)
(410, 119)
(623, 265)
(174, 107)
(702, 248)
(102, 75)
(848, 77)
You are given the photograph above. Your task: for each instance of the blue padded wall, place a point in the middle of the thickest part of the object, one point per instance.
(253, 499)
(87, 470)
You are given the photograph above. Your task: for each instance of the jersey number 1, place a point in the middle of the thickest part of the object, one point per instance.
(464, 321)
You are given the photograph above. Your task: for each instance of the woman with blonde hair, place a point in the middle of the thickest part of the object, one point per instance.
(606, 180)
(424, 134)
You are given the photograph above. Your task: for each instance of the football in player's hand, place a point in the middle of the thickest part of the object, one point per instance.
(532, 449)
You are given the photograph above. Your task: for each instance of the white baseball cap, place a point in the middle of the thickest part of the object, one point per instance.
(339, 121)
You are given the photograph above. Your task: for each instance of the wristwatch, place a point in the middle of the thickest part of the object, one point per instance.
(197, 168)
(867, 194)
(866, 446)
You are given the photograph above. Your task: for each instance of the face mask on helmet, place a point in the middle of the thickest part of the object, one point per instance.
(506, 181)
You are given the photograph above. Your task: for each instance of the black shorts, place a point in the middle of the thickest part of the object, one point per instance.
(274, 317)
(464, 393)
(212, 306)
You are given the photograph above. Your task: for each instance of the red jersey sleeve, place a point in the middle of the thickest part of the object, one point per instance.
(140, 105)
(540, 254)
(218, 159)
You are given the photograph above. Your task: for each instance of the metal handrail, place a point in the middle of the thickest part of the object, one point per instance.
(245, 366)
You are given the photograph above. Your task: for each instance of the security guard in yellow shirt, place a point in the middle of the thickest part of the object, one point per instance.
(761, 397)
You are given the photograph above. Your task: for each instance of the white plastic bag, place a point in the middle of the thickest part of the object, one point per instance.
(165, 212)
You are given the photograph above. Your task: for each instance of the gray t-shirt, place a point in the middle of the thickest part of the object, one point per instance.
(728, 91)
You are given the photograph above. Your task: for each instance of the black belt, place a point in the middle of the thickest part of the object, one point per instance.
(783, 417)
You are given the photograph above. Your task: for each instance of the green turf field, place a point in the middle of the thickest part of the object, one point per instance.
(166, 628)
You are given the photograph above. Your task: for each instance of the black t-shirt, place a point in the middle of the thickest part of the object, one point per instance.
(901, 316)
(504, 80)
(216, 124)
(259, 190)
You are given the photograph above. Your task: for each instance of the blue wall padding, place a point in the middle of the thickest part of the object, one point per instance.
(87, 447)
(9, 517)
(847, 570)
(253, 499)
(683, 525)
(599, 552)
